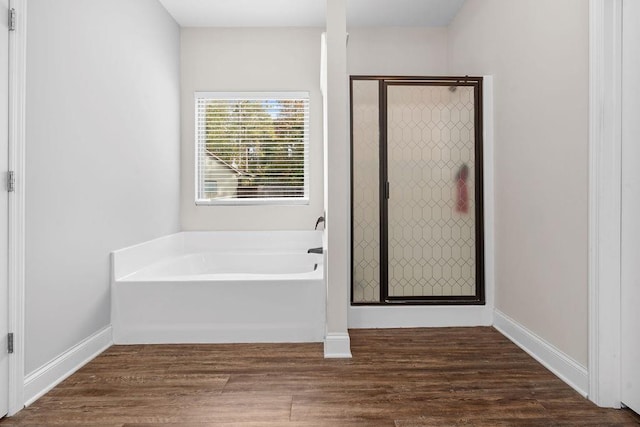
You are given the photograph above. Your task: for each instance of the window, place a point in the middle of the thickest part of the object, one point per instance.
(211, 186)
(252, 148)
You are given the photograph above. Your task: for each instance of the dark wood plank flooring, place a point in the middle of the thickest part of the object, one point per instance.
(397, 377)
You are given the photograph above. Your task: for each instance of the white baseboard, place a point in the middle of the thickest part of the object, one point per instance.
(337, 346)
(207, 333)
(53, 373)
(563, 366)
(419, 316)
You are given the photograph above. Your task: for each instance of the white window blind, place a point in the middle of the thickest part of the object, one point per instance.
(252, 148)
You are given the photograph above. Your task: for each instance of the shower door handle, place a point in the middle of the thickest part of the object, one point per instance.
(387, 192)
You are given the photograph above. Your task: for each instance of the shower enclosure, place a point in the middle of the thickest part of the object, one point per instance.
(416, 177)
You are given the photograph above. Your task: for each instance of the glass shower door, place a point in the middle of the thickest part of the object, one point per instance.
(416, 190)
(365, 139)
(431, 169)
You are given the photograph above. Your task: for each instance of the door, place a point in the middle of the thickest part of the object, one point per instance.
(630, 248)
(4, 206)
(417, 190)
(434, 227)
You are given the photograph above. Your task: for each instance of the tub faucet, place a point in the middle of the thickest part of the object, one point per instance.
(315, 250)
(320, 220)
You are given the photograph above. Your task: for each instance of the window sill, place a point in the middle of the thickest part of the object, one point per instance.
(285, 201)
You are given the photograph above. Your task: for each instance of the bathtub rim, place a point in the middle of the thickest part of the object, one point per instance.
(128, 260)
(316, 274)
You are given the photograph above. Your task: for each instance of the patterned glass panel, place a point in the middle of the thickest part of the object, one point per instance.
(366, 198)
(431, 169)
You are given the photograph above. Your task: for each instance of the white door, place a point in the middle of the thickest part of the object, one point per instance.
(630, 304)
(4, 204)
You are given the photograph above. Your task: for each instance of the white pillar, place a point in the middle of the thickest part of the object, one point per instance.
(337, 186)
(605, 153)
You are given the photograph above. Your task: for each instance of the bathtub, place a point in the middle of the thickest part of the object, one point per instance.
(219, 287)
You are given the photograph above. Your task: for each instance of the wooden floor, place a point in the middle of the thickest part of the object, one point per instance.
(401, 378)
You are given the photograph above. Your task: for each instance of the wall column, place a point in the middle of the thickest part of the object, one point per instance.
(605, 183)
(337, 187)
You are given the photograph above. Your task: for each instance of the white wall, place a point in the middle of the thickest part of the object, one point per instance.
(538, 52)
(255, 60)
(102, 156)
(391, 51)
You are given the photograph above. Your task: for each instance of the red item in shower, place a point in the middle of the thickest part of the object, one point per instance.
(462, 194)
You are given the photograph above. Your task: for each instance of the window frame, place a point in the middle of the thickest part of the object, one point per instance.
(253, 96)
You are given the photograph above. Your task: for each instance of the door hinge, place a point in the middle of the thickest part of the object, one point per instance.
(12, 19)
(10, 343)
(11, 181)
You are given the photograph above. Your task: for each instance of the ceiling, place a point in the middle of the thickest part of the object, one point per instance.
(311, 13)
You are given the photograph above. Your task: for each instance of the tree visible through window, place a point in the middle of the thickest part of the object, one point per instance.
(254, 146)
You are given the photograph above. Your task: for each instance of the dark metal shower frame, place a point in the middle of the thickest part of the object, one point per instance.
(383, 83)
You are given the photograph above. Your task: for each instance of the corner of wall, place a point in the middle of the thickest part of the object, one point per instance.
(558, 362)
(57, 370)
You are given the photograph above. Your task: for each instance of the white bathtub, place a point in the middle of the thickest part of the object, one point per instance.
(219, 287)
